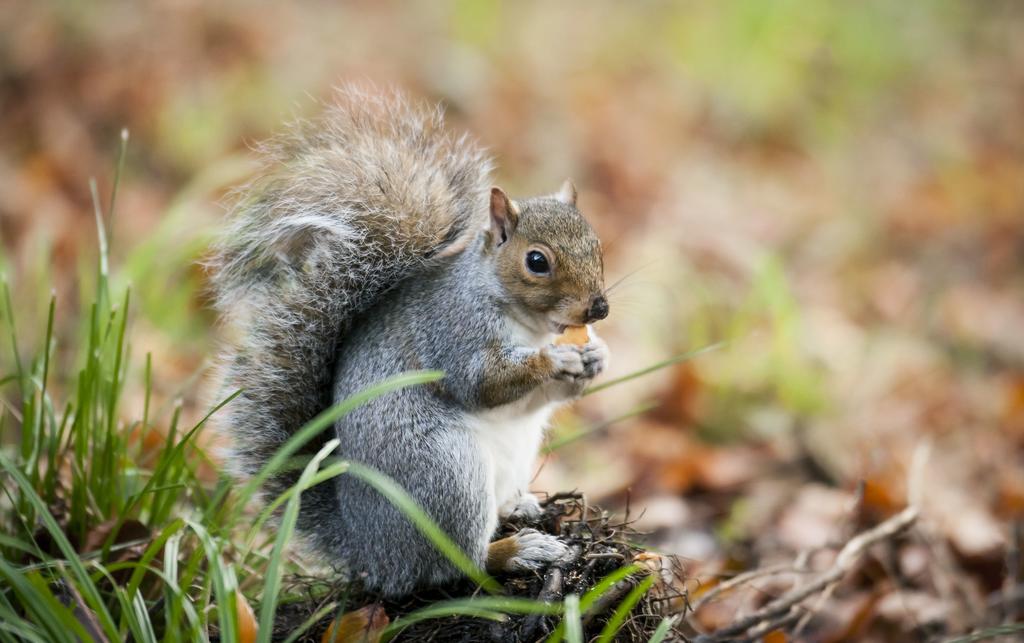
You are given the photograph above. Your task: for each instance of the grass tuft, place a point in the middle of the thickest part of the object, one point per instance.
(109, 532)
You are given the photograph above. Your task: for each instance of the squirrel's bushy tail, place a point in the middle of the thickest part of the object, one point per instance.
(347, 206)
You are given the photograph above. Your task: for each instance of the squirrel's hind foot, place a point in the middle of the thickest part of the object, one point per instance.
(525, 551)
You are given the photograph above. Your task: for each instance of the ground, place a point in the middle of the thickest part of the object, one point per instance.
(819, 205)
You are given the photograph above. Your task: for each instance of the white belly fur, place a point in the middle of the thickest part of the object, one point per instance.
(510, 437)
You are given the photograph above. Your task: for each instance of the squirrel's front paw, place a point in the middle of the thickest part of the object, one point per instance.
(595, 357)
(534, 550)
(566, 361)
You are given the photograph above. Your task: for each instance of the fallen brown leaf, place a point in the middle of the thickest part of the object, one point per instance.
(363, 625)
(775, 636)
(247, 626)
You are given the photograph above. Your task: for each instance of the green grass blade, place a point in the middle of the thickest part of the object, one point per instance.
(147, 393)
(989, 633)
(118, 170)
(310, 622)
(40, 414)
(322, 475)
(115, 373)
(426, 525)
(18, 545)
(514, 605)
(103, 264)
(429, 613)
(268, 603)
(172, 595)
(662, 631)
(683, 357)
(152, 550)
(85, 583)
(63, 609)
(224, 583)
(144, 626)
(19, 369)
(325, 419)
(639, 409)
(15, 629)
(172, 607)
(38, 602)
(573, 623)
(595, 593)
(606, 584)
(168, 467)
(614, 624)
(172, 590)
(493, 606)
(173, 455)
(53, 441)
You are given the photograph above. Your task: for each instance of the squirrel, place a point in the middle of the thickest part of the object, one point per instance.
(371, 244)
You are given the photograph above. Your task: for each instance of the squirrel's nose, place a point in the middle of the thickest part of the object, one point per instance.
(598, 308)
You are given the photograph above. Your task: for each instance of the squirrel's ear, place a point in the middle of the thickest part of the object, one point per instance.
(567, 193)
(504, 216)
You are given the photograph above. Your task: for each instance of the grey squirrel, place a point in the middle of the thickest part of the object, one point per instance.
(372, 244)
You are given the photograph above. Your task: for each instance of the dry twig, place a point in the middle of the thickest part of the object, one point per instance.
(742, 579)
(788, 610)
(781, 609)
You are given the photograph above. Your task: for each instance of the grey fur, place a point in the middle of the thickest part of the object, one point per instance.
(421, 437)
(346, 207)
(361, 253)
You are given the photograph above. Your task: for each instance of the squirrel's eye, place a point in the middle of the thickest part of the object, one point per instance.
(537, 263)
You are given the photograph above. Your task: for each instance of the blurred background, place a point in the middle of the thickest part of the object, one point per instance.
(835, 190)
